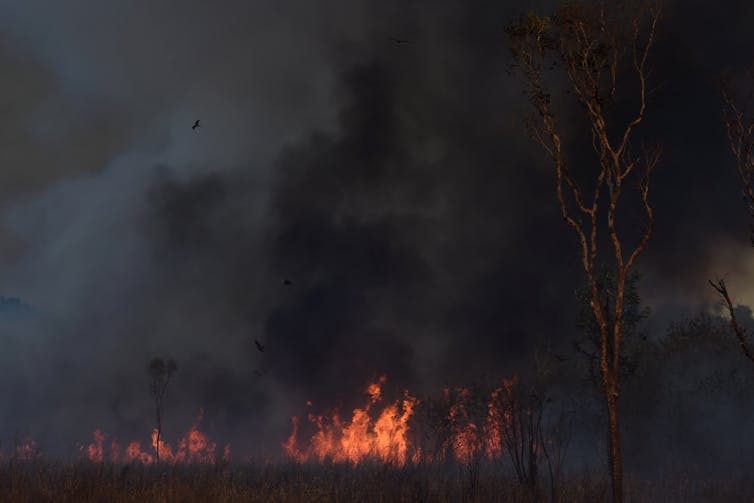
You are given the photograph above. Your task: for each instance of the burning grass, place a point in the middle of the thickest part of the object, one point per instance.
(195, 447)
(470, 444)
(463, 425)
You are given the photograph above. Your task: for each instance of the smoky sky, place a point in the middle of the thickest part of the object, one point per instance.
(359, 206)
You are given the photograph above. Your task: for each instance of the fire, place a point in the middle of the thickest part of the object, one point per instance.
(367, 435)
(471, 428)
(95, 450)
(463, 425)
(500, 410)
(26, 450)
(194, 447)
(466, 442)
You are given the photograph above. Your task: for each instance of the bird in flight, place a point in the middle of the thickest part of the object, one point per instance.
(196, 125)
(259, 373)
(259, 346)
(399, 40)
(287, 282)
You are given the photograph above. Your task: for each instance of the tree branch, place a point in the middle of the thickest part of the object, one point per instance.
(737, 329)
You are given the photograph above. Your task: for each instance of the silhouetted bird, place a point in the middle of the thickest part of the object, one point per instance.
(260, 373)
(399, 40)
(287, 282)
(196, 125)
(259, 346)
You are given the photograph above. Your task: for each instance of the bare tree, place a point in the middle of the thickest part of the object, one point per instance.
(554, 426)
(739, 126)
(598, 46)
(521, 428)
(161, 370)
(555, 439)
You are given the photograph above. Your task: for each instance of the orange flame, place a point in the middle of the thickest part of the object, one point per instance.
(473, 429)
(381, 437)
(466, 443)
(194, 447)
(470, 429)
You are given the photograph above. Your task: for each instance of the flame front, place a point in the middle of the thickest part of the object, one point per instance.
(194, 447)
(366, 436)
(470, 429)
(461, 426)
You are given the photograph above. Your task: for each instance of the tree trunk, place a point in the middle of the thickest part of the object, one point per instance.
(614, 450)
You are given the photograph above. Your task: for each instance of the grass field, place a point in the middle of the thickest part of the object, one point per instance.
(40, 481)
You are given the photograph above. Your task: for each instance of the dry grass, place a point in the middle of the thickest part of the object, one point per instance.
(42, 481)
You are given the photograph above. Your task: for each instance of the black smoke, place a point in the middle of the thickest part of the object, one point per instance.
(359, 206)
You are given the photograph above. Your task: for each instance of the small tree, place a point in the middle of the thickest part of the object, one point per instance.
(598, 46)
(521, 428)
(160, 370)
(555, 438)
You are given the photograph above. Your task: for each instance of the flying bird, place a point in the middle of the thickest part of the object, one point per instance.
(287, 282)
(259, 346)
(196, 125)
(260, 373)
(399, 41)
